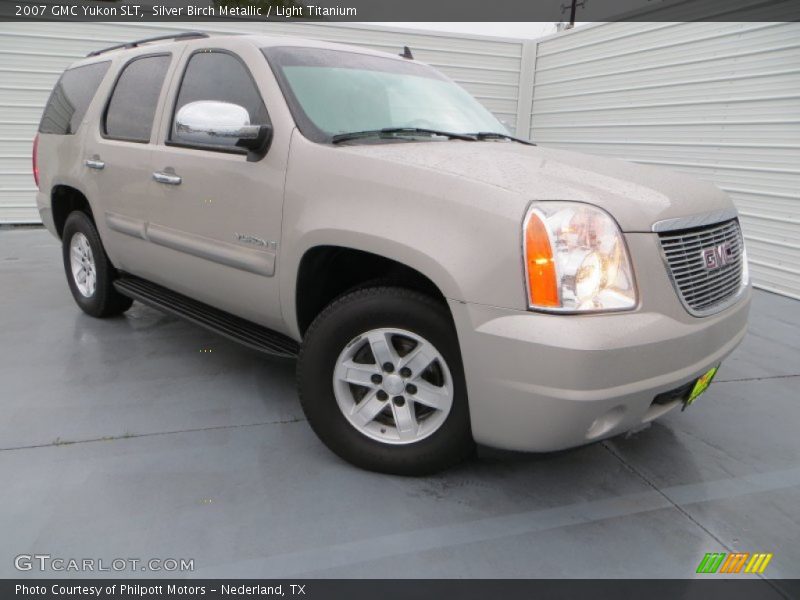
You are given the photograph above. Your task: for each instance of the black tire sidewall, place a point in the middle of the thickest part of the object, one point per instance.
(98, 303)
(357, 313)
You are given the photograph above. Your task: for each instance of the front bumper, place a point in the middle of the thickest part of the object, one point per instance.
(540, 382)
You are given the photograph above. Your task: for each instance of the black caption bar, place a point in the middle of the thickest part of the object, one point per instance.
(399, 10)
(508, 589)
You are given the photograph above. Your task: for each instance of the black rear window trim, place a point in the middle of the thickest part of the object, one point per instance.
(210, 147)
(122, 69)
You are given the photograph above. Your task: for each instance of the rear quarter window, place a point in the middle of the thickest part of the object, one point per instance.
(71, 97)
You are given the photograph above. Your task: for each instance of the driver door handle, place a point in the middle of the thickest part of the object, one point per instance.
(94, 163)
(167, 178)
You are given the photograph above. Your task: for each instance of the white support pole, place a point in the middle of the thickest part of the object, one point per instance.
(527, 73)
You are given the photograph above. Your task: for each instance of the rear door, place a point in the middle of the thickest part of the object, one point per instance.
(117, 159)
(218, 216)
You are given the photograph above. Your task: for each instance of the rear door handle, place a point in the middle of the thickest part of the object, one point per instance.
(167, 178)
(95, 163)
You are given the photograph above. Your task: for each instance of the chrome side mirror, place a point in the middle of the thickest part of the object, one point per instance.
(213, 123)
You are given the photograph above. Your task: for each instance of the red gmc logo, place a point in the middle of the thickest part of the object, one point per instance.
(718, 256)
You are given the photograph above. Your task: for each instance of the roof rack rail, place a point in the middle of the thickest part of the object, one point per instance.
(188, 35)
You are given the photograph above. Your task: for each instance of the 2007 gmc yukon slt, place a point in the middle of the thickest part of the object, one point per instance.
(441, 282)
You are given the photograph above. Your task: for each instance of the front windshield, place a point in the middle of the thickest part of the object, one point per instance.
(331, 92)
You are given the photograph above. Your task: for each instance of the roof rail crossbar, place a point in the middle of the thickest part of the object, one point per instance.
(187, 35)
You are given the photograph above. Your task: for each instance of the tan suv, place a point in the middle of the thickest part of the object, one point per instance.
(440, 281)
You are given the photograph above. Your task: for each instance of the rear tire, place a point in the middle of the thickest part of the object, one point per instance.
(408, 413)
(90, 274)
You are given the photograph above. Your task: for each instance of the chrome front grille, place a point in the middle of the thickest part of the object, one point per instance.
(705, 264)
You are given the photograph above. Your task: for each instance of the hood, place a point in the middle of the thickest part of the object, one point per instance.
(636, 195)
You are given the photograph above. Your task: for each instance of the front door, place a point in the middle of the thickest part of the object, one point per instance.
(217, 215)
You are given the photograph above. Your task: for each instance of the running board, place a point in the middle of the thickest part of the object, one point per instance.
(232, 327)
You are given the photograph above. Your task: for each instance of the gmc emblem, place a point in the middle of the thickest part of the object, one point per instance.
(718, 256)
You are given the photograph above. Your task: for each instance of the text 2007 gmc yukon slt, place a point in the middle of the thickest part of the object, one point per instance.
(442, 282)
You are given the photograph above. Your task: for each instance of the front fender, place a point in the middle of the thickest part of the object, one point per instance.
(463, 235)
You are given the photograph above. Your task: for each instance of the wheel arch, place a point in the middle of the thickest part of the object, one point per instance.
(327, 270)
(64, 199)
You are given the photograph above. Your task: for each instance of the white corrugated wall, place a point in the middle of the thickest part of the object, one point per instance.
(32, 56)
(717, 100)
(720, 101)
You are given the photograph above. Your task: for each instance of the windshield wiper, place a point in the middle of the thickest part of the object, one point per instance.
(493, 135)
(388, 132)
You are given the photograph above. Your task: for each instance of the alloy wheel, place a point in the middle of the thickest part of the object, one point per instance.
(82, 265)
(393, 386)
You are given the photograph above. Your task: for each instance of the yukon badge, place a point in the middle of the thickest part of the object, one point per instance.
(718, 256)
(255, 241)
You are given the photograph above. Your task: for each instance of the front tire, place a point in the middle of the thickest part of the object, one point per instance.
(89, 272)
(382, 384)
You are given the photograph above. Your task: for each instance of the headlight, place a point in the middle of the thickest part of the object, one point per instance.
(576, 259)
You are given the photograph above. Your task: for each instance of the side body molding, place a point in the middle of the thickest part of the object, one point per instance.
(126, 225)
(260, 262)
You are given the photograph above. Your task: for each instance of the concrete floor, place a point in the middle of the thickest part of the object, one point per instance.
(120, 438)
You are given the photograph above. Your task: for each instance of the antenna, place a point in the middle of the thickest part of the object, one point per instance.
(573, 8)
(407, 53)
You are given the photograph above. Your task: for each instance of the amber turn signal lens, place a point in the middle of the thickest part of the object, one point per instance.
(542, 284)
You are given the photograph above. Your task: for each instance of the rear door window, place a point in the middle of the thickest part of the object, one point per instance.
(71, 97)
(133, 103)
